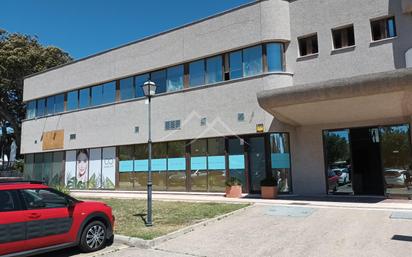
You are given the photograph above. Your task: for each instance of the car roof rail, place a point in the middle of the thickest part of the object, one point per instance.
(24, 181)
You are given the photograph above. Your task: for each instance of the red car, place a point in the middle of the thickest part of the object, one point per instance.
(36, 219)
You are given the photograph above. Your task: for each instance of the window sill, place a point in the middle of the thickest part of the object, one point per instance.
(382, 41)
(343, 49)
(307, 57)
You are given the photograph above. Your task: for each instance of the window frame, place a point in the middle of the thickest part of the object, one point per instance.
(307, 37)
(341, 30)
(384, 20)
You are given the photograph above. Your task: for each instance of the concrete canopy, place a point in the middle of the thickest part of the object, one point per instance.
(361, 98)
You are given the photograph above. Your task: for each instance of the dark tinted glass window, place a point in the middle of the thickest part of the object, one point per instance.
(97, 95)
(252, 61)
(383, 28)
(84, 98)
(41, 107)
(308, 45)
(43, 198)
(139, 81)
(235, 63)
(9, 201)
(343, 37)
(109, 92)
(159, 77)
(126, 89)
(214, 71)
(197, 73)
(59, 103)
(72, 100)
(50, 105)
(274, 55)
(175, 78)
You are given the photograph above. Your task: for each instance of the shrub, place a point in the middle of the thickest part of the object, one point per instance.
(63, 189)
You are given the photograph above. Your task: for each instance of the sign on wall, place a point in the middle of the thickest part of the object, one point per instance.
(53, 140)
(109, 168)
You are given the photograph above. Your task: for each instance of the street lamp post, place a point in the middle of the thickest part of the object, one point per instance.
(149, 89)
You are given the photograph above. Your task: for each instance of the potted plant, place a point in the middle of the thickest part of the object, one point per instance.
(269, 188)
(233, 188)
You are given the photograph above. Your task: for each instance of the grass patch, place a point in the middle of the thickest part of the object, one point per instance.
(167, 216)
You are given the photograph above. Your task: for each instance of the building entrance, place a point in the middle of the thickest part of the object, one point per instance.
(369, 161)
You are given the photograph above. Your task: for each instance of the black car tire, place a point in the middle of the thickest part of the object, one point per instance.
(93, 237)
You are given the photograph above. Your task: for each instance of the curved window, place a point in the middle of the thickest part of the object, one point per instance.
(274, 53)
(252, 61)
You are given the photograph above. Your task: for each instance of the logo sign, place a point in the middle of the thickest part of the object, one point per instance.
(260, 128)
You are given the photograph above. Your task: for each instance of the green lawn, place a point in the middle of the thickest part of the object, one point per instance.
(168, 216)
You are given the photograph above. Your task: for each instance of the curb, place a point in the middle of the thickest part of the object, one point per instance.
(146, 244)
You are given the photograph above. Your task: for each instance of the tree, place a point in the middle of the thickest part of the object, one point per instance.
(20, 56)
(337, 148)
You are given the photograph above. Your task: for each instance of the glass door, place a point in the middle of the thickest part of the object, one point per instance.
(257, 162)
(396, 159)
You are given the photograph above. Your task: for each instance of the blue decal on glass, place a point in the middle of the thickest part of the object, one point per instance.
(159, 165)
(141, 165)
(198, 163)
(176, 164)
(125, 166)
(216, 162)
(236, 161)
(280, 160)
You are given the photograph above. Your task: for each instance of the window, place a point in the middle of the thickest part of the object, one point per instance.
(172, 125)
(216, 164)
(159, 77)
(235, 64)
(280, 160)
(197, 73)
(252, 61)
(72, 100)
(274, 53)
(84, 100)
(343, 37)
(41, 107)
(126, 89)
(308, 45)
(176, 166)
(50, 105)
(43, 198)
(97, 95)
(198, 165)
(214, 71)
(31, 109)
(109, 92)
(9, 201)
(139, 81)
(174, 78)
(383, 28)
(59, 103)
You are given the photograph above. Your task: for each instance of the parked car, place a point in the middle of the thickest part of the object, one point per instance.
(333, 180)
(343, 174)
(36, 219)
(394, 177)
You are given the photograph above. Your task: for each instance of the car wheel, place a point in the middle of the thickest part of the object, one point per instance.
(93, 237)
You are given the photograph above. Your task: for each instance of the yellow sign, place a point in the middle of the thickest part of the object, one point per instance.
(260, 128)
(53, 140)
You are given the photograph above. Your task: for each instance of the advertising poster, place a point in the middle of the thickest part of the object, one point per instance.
(95, 169)
(82, 169)
(109, 168)
(70, 169)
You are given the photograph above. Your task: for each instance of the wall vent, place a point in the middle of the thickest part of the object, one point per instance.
(72, 136)
(172, 124)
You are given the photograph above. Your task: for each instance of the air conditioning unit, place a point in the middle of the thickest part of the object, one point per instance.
(407, 6)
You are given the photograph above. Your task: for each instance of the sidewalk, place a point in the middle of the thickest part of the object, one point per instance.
(348, 202)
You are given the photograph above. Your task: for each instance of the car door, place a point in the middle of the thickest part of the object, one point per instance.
(48, 218)
(12, 223)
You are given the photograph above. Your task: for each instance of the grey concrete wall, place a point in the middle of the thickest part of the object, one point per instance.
(321, 16)
(260, 21)
(114, 124)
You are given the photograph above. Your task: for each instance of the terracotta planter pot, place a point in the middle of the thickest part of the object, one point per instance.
(269, 192)
(234, 191)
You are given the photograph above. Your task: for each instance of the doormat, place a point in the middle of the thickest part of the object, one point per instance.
(290, 211)
(401, 215)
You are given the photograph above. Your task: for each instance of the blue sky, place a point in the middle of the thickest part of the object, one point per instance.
(85, 27)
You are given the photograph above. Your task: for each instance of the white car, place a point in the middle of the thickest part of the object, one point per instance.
(343, 174)
(395, 177)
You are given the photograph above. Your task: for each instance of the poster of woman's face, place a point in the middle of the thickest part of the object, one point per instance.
(82, 164)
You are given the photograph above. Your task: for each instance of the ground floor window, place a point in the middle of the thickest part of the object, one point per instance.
(46, 167)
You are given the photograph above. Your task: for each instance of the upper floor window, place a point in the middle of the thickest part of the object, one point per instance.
(159, 77)
(235, 64)
(308, 45)
(41, 107)
(50, 105)
(214, 70)
(31, 109)
(383, 28)
(138, 82)
(126, 88)
(72, 100)
(252, 61)
(109, 92)
(197, 73)
(274, 55)
(84, 98)
(59, 103)
(343, 37)
(175, 78)
(97, 95)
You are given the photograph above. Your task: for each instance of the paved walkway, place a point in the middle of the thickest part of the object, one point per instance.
(314, 201)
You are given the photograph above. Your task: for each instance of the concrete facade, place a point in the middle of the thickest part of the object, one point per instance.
(258, 22)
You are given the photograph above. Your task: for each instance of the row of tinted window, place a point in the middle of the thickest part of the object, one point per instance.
(242, 63)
